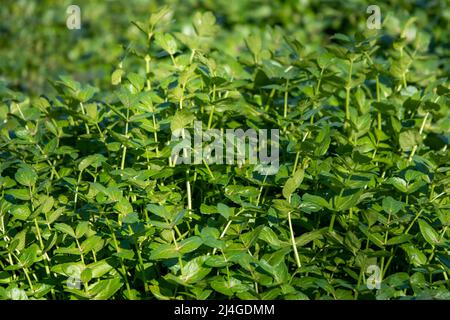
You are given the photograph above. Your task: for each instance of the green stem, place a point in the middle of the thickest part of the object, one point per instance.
(79, 249)
(116, 245)
(76, 191)
(147, 71)
(213, 106)
(294, 245)
(141, 262)
(180, 258)
(124, 152)
(286, 98)
(296, 162)
(422, 126)
(226, 228)
(347, 93)
(155, 134)
(84, 113)
(319, 82)
(25, 270)
(385, 241)
(208, 169)
(189, 196)
(433, 248)
(378, 99)
(333, 218)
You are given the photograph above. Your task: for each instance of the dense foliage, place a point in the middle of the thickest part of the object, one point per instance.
(92, 208)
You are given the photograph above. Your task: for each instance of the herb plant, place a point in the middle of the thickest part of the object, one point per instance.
(92, 206)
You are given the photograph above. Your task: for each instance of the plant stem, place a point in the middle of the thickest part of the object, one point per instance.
(333, 218)
(76, 191)
(155, 134)
(319, 82)
(124, 152)
(116, 245)
(226, 228)
(141, 262)
(213, 106)
(80, 249)
(25, 270)
(189, 197)
(385, 241)
(208, 169)
(378, 100)
(294, 245)
(286, 98)
(347, 92)
(147, 72)
(84, 113)
(420, 133)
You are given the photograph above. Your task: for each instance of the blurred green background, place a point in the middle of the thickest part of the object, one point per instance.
(36, 45)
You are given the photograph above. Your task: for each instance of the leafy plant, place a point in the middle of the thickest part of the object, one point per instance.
(93, 206)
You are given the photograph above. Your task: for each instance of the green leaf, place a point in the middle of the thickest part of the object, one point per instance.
(190, 244)
(81, 229)
(180, 120)
(228, 287)
(398, 183)
(307, 237)
(392, 206)
(254, 44)
(26, 176)
(29, 255)
(65, 228)
(105, 289)
(217, 261)
(315, 200)
(129, 100)
(100, 268)
(86, 275)
(293, 183)
(21, 194)
(347, 200)
(47, 205)
(169, 251)
(409, 139)
(160, 211)
(86, 93)
(123, 206)
(194, 271)
(416, 257)
(19, 241)
(205, 209)
(20, 212)
(428, 233)
(399, 239)
(205, 24)
(225, 210)
(210, 237)
(125, 254)
(167, 42)
(157, 17)
(54, 215)
(116, 77)
(91, 243)
(17, 294)
(137, 81)
(269, 236)
(164, 251)
(93, 160)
